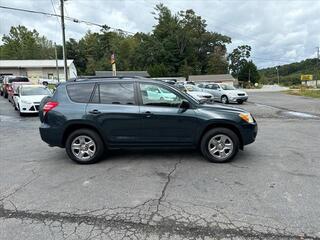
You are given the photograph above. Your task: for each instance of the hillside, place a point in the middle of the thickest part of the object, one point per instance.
(289, 73)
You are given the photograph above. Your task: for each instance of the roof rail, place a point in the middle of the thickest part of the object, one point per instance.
(83, 78)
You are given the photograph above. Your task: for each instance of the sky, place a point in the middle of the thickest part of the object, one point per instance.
(279, 31)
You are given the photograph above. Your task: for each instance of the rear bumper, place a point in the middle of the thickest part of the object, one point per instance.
(51, 135)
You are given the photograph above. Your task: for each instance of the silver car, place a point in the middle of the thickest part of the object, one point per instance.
(224, 93)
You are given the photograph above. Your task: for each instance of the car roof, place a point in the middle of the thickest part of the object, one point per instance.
(95, 79)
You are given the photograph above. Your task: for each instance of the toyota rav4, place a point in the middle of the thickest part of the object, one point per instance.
(91, 115)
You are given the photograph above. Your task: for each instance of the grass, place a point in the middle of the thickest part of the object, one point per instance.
(314, 93)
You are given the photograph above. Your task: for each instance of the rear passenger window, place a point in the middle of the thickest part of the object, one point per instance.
(80, 92)
(117, 93)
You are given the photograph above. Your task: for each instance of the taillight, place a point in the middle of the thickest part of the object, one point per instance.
(49, 106)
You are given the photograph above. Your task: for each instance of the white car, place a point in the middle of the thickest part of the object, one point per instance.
(28, 97)
(157, 93)
(196, 92)
(224, 93)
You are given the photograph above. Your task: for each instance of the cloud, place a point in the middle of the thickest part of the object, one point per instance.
(279, 31)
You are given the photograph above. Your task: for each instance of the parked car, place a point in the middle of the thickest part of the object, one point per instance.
(28, 97)
(87, 116)
(46, 81)
(13, 90)
(224, 93)
(154, 93)
(195, 92)
(8, 80)
(169, 81)
(1, 85)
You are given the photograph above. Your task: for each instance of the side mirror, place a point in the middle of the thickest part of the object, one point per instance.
(184, 105)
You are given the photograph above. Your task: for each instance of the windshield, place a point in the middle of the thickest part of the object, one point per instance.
(227, 87)
(192, 88)
(30, 91)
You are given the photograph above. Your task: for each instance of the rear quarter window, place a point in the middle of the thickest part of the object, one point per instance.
(80, 93)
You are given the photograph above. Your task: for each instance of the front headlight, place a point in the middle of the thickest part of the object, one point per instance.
(246, 117)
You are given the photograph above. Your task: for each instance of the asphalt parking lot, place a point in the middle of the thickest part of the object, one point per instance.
(270, 191)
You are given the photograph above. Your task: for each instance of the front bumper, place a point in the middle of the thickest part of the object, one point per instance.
(249, 132)
(238, 98)
(29, 107)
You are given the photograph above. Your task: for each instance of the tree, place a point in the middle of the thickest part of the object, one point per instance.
(22, 43)
(248, 72)
(238, 58)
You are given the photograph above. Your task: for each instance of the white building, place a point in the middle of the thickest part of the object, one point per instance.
(36, 69)
(217, 78)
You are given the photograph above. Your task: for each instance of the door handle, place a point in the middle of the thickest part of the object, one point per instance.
(95, 111)
(148, 114)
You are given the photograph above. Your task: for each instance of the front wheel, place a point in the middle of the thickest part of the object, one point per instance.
(84, 146)
(224, 99)
(219, 145)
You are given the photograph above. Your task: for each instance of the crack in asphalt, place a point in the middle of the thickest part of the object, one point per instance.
(145, 219)
(102, 225)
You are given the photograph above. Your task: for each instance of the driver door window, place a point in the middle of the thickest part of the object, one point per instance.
(153, 95)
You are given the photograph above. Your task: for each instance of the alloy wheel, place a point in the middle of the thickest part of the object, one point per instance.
(83, 147)
(220, 146)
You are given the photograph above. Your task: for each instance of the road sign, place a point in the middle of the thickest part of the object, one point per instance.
(307, 77)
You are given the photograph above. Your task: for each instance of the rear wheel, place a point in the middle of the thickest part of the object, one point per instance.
(84, 146)
(219, 145)
(224, 99)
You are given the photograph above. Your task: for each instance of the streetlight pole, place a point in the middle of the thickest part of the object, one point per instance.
(63, 41)
(56, 56)
(278, 75)
(318, 56)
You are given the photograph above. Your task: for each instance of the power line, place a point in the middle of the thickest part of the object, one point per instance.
(54, 10)
(75, 20)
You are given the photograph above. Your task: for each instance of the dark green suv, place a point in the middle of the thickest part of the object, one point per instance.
(89, 116)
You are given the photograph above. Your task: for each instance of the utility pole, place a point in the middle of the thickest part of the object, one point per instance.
(56, 56)
(317, 72)
(278, 75)
(63, 41)
(249, 76)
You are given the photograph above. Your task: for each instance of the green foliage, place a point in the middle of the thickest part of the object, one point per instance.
(248, 72)
(289, 73)
(178, 45)
(22, 43)
(158, 70)
(238, 58)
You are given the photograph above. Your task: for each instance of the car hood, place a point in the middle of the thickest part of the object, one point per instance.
(218, 107)
(34, 98)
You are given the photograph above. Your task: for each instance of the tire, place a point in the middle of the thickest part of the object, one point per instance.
(1, 93)
(5, 95)
(224, 99)
(240, 101)
(211, 140)
(21, 114)
(86, 135)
